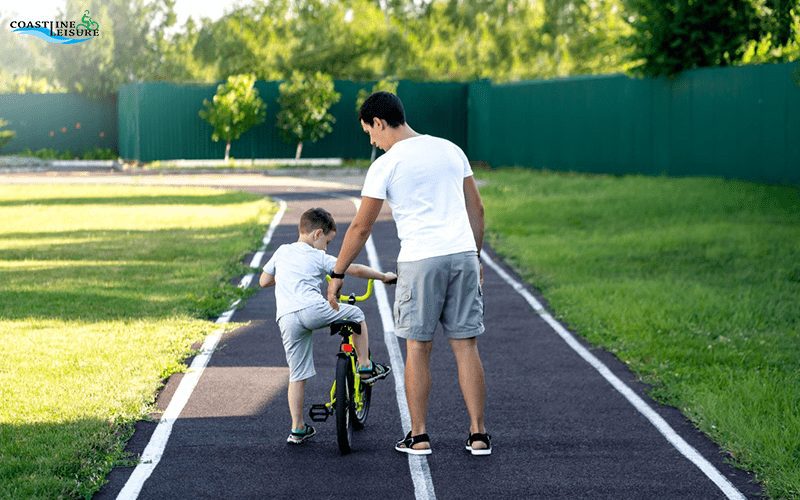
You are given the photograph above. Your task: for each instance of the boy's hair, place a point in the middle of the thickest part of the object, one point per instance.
(383, 105)
(317, 218)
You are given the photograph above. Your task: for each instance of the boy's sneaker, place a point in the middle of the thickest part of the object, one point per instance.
(376, 372)
(301, 437)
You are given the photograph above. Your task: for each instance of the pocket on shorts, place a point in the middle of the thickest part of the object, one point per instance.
(402, 306)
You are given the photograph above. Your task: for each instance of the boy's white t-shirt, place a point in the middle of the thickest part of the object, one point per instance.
(422, 178)
(299, 270)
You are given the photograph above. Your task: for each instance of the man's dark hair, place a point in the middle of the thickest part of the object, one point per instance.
(383, 105)
(317, 218)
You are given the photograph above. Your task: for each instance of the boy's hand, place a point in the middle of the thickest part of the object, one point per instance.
(389, 278)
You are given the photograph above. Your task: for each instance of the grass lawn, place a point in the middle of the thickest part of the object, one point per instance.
(695, 283)
(103, 290)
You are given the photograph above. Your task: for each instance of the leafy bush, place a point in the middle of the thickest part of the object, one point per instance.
(5, 135)
(54, 154)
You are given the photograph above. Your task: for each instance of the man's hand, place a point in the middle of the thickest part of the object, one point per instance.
(334, 288)
(389, 278)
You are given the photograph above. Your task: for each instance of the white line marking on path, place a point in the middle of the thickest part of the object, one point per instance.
(658, 422)
(158, 441)
(417, 464)
(259, 255)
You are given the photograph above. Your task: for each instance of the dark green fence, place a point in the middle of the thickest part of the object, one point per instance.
(741, 122)
(59, 121)
(159, 121)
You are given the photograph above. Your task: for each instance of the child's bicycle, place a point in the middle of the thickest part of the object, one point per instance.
(349, 396)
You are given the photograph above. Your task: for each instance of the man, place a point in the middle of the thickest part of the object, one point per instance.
(438, 210)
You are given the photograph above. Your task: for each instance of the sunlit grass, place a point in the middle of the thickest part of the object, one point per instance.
(103, 290)
(695, 283)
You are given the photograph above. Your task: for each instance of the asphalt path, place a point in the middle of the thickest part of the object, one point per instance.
(559, 429)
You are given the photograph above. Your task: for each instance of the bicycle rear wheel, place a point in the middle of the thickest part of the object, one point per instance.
(343, 408)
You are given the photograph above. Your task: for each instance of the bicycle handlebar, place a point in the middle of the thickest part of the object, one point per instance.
(353, 296)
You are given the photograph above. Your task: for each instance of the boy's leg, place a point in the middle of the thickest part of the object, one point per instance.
(472, 382)
(362, 346)
(350, 313)
(300, 358)
(296, 396)
(368, 371)
(418, 385)
(323, 314)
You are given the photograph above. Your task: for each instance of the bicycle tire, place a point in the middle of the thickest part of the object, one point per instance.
(343, 408)
(359, 418)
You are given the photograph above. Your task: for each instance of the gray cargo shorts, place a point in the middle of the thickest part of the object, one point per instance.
(297, 327)
(442, 290)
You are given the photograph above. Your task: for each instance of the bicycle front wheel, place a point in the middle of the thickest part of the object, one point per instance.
(343, 408)
(359, 416)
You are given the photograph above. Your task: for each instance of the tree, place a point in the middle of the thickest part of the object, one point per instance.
(671, 36)
(25, 64)
(419, 39)
(305, 101)
(133, 46)
(384, 85)
(252, 38)
(5, 135)
(780, 39)
(274, 38)
(234, 109)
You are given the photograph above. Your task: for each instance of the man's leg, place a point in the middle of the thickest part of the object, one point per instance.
(418, 385)
(472, 382)
(296, 393)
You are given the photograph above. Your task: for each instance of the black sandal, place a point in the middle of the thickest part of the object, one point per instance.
(483, 438)
(407, 445)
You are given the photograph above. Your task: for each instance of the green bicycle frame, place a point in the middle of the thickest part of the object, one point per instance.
(357, 399)
(350, 352)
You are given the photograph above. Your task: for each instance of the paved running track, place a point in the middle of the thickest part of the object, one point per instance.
(559, 428)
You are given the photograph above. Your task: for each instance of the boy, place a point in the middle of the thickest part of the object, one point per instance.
(297, 270)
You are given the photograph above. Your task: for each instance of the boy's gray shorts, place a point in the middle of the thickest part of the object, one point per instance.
(296, 329)
(442, 289)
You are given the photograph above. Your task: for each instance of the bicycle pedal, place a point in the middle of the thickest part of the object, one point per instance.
(320, 413)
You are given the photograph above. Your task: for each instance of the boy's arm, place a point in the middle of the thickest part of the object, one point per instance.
(366, 272)
(266, 280)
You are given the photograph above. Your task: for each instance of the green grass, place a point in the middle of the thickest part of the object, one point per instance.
(694, 283)
(103, 291)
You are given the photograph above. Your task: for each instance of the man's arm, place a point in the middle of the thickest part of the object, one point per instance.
(354, 240)
(474, 210)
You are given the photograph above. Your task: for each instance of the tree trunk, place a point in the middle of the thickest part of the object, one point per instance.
(373, 155)
(299, 151)
(227, 150)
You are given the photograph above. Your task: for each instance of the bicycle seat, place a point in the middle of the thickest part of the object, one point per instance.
(345, 328)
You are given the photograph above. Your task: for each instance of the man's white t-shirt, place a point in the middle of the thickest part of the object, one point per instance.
(422, 178)
(299, 270)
